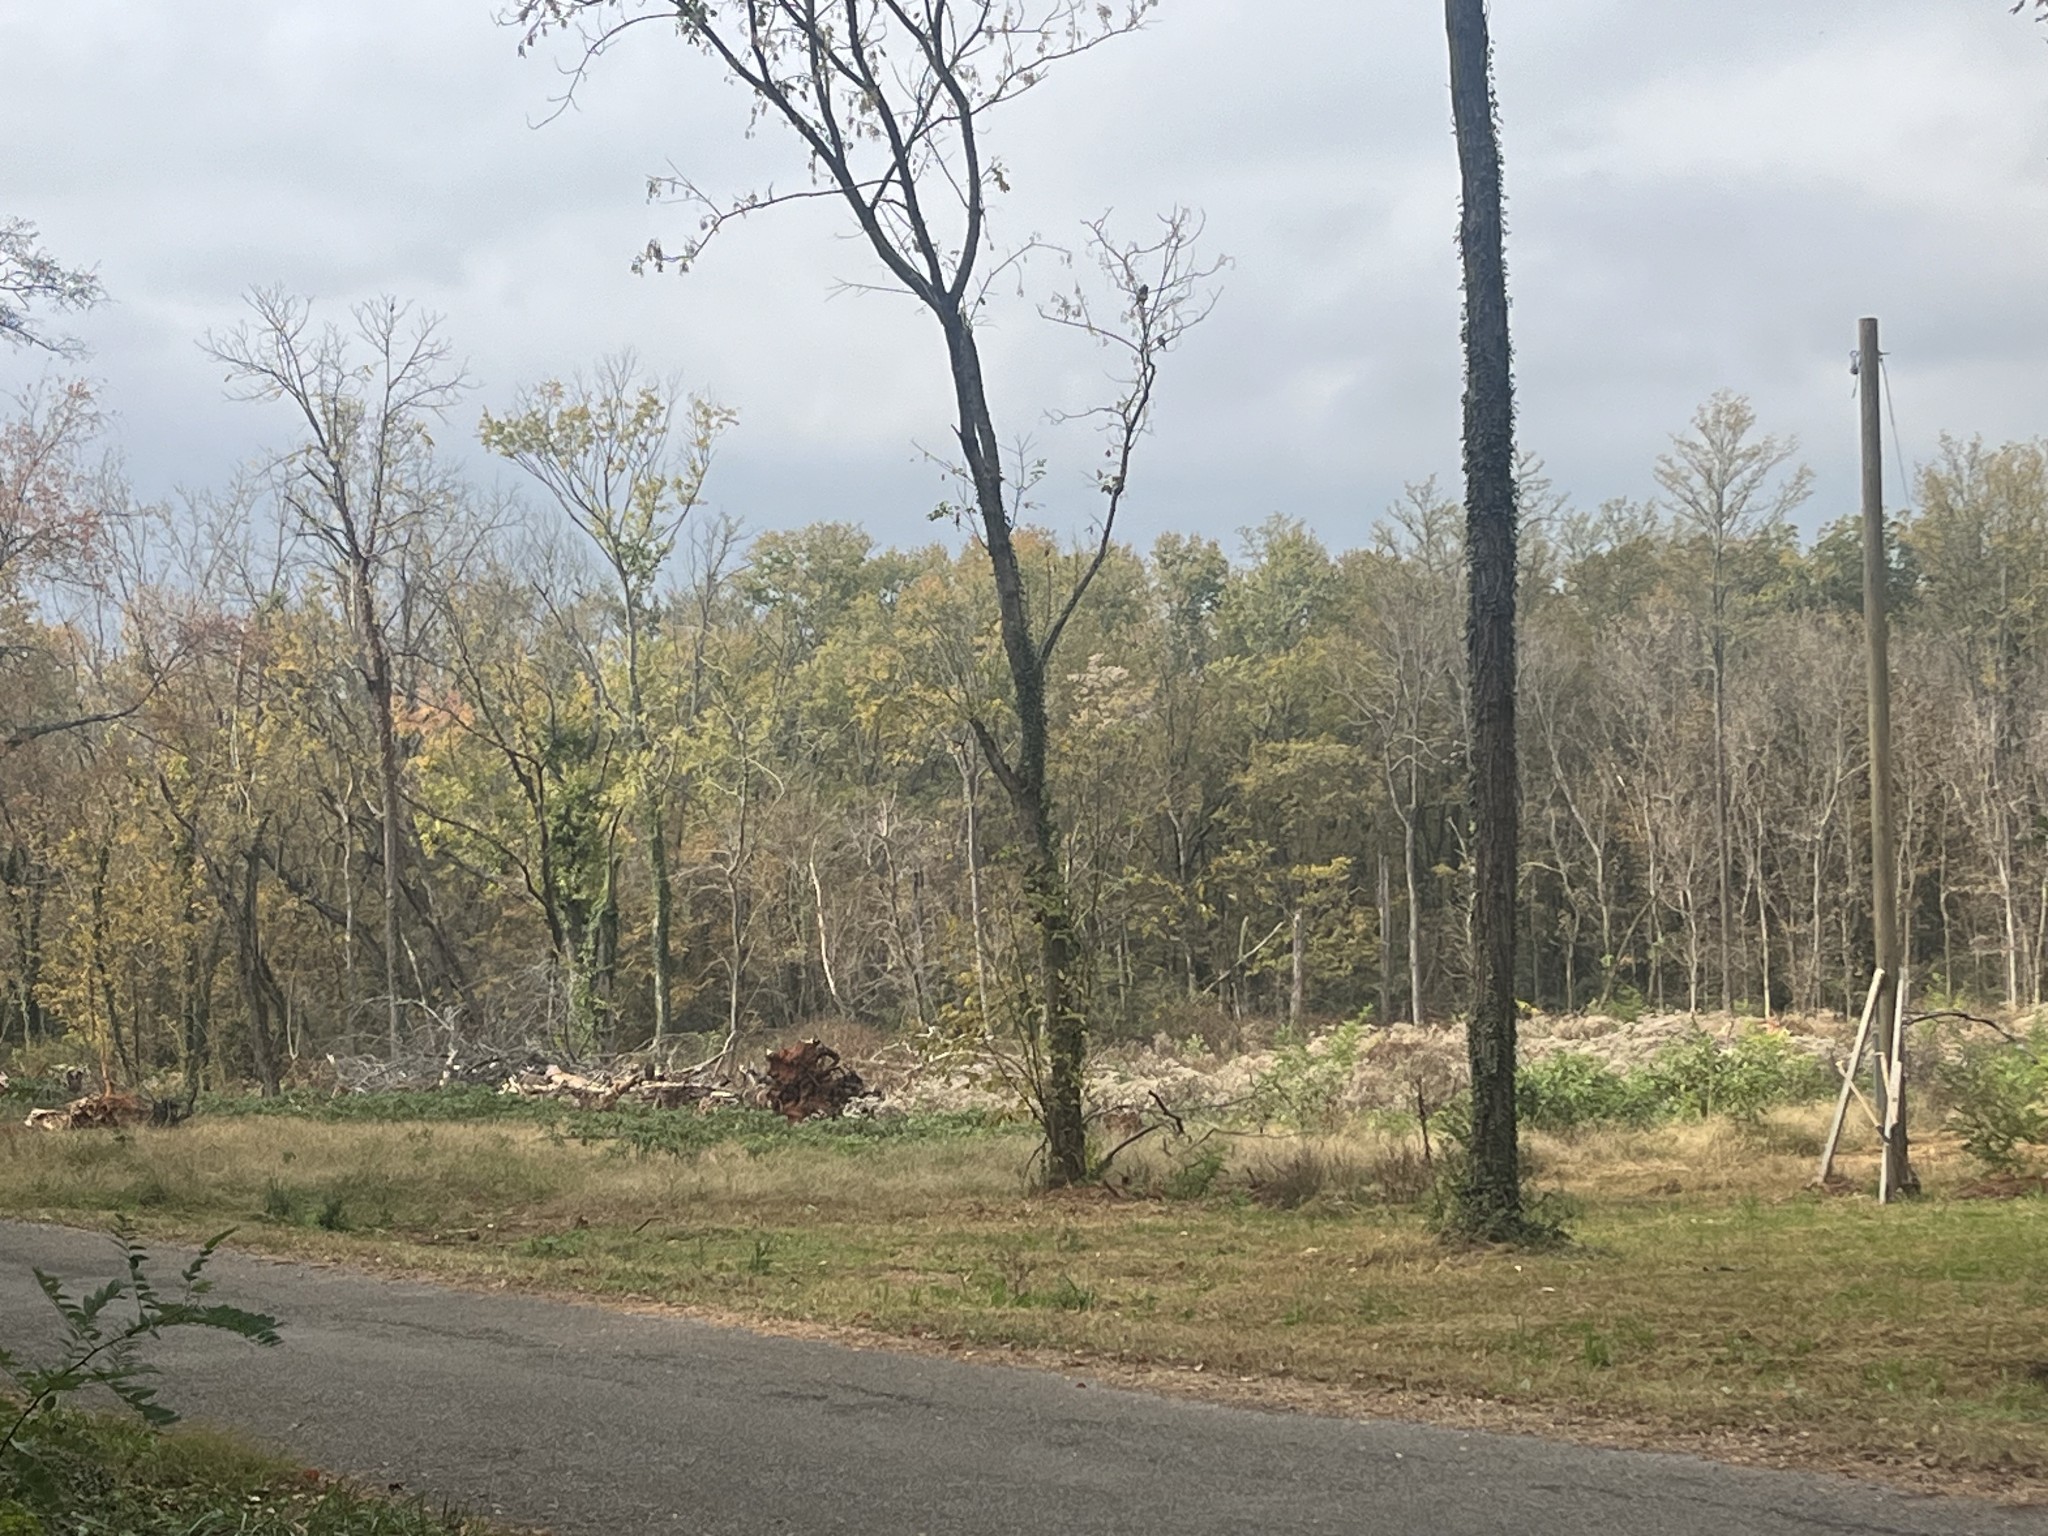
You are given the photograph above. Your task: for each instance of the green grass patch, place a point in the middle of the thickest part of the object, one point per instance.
(93, 1476)
(1706, 1290)
(457, 1103)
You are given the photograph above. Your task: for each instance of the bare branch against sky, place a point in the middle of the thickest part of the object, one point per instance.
(1703, 193)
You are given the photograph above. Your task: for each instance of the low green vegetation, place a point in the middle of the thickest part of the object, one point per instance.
(1696, 1078)
(1996, 1095)
(64, 1472)
(104, 1333)
(102, 1477)
(1707, 1298)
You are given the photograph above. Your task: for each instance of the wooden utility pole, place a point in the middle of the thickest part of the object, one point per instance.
(1897, 1175)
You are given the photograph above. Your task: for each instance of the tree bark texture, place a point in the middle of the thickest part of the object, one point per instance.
(1493, 1195)
(1062, 1019)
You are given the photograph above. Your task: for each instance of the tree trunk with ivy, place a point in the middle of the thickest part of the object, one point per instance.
(1492, 1197)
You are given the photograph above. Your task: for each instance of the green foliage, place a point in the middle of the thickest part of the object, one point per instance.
(1998, 1096)
(1308, 1079)
(1571, 1090)
(647, 1132)
(103, 1350)
(1624, 1002)
(1194, 1173)
(1697, 1077)
(639, 1130)
(612, 452)
(280, 1202)
(454, 1103)
(1752, 1073)
(37, 1072)
(1458, 1212)
(102, 1477)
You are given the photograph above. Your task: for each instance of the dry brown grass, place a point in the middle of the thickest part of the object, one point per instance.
(1708, 1298)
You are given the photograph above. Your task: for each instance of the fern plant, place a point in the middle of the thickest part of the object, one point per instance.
(103, 1343)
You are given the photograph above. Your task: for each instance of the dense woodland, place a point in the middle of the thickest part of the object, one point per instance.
(352, 757)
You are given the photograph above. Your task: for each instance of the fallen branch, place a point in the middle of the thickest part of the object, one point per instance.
(1968, 1018)
(1167, 1117)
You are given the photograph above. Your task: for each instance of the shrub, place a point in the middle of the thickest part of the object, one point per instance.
(101, 1350)
(1753, 1073)
(1696, 1077)
(1307, 1082)
(1998, 1096)
(1571, 1090)
(1194, 1172)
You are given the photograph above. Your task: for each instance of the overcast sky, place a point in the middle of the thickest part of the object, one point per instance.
(1704, 194)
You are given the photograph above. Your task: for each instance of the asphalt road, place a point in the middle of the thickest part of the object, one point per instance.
(584, 1420)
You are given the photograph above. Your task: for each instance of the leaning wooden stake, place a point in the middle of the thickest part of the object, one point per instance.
(1827, 1151)
(1893, 1065)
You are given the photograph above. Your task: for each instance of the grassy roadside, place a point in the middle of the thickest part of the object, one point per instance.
(1708, 1299)
(93, 1475)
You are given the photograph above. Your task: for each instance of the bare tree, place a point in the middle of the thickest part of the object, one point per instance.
(1725, 489)
(889, 99)
(361, 485)
(31, 278)
(62, 512)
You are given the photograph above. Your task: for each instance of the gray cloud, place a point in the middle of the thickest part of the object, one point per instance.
(1705, 193)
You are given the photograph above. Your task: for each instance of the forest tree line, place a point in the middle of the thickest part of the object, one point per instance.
(354, 757)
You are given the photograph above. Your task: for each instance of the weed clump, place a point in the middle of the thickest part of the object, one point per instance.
(1997, 1096)
(98, 1474)
(101, 1350)
(1292, 1180)
(1695, 1078)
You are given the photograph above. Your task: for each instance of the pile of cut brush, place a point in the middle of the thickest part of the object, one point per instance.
(109, 1110)
(803, 1081)
(627, 1082)
(808, 1079)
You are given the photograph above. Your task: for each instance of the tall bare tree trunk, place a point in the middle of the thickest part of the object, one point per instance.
(378, 687)
(1063, 1030)
(664, 912)
(1725, 920)
(970, 794)
(1386, 895)
(1493, 1197)
(653, 827)
(1414, 907)
(1297, 989)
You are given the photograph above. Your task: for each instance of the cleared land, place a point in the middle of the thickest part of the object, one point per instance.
(1707, 1301)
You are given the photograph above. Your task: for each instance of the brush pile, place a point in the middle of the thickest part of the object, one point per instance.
(112, 1110)
(629, 1082)
(803, 1081)
(808, 1079)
